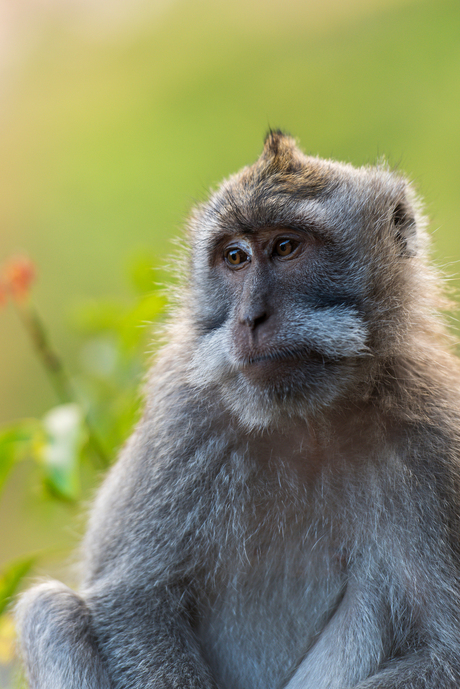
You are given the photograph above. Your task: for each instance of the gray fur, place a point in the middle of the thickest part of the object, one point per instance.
(297, 528)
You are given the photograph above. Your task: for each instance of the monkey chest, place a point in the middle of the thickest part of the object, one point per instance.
(260, 621)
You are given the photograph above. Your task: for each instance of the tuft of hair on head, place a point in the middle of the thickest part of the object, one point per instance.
(284, 164)
(281, 153)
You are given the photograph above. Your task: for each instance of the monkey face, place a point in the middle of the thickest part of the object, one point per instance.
(269, 274)
(278, 334)
(298, 267)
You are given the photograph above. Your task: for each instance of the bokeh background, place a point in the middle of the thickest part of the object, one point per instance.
(117, 115)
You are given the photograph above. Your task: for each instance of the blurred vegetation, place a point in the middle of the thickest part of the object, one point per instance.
(109, 130)
(98, 405)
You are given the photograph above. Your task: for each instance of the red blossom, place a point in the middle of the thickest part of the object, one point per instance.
(17, 276)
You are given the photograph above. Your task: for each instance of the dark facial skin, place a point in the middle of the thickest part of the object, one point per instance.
(259, 270)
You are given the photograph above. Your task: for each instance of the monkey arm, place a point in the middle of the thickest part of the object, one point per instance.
(69, 642)
(350, 647)
(131, 625)
(141, 555)
(357, 641)
(57, 640)
(421, 670)
(397, 625)
(147, 641)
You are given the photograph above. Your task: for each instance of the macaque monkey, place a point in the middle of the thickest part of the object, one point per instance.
(286, 515)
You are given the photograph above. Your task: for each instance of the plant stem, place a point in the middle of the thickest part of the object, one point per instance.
(59, 378)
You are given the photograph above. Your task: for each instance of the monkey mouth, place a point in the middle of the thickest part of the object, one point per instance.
(270, 358)
(282, 355)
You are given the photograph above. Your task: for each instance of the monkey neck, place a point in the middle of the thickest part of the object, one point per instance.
(306, 447)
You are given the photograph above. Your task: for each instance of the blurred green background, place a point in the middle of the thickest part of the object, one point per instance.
(116, 116)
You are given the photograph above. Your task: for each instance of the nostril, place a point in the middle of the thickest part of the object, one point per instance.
(254, 321)
(259, 320)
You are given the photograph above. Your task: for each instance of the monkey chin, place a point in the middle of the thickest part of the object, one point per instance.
(267, 391)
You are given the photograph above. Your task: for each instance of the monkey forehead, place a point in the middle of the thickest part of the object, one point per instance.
(286, 186)
(249, 201)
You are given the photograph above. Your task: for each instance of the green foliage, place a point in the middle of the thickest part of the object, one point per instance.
(115, 336)
(14, 442)
(89, 428)
(11, 578)
(53, 442)
(60, 447)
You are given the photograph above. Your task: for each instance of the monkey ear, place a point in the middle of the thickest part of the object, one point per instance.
(405, 227)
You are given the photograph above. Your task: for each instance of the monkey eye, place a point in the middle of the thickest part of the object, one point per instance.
(285, 247)
(236, 257)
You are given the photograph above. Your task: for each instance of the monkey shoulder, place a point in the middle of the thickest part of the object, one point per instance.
(153, 506)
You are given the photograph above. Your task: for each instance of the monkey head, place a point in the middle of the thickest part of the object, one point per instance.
(301, 270)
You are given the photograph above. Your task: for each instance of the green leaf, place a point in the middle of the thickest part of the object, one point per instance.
(7, 455)
(14, 444)
(59, 449)
(99, 316)
(145, 274)
(141, 272)
(137, 323)
(99, 357)
(10, 579)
